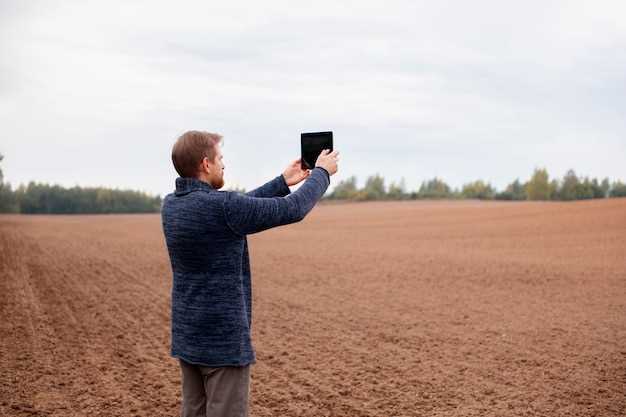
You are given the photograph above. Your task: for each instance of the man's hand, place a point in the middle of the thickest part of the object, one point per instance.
(294, 173)
(328, 160)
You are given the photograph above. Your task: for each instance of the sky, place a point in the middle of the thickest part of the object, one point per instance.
(95, 93)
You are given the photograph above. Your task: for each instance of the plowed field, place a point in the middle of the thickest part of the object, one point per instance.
(372, 309)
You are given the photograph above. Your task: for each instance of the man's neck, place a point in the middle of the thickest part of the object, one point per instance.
(204, 178)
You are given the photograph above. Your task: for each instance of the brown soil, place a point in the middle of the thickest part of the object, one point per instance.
(373, 309)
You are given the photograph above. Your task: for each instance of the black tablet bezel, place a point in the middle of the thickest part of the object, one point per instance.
(328, 144)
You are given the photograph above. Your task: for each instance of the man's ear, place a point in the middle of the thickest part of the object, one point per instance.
(205, 165)
(202, 168)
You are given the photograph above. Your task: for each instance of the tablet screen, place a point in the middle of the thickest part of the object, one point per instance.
(312, 146)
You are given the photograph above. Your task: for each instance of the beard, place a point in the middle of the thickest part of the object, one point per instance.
(218, 183)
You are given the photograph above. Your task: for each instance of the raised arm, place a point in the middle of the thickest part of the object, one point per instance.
(279, 186)
(246, 214)
(274, 188)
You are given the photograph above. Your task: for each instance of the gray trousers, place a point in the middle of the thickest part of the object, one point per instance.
(215, 392)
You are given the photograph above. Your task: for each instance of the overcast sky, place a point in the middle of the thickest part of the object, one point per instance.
(95, 93)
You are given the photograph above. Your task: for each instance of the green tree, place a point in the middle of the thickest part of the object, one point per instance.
(584, 190)
(345, 190)
(618, 189)
(434, 188)
(397, 191)
(606, 187)
(538, 187)
(54, 199)
(513, 191)
(596, 189)
(8, 203)
(570, 186)
(554, 189)
(478, 189)
(374, 188)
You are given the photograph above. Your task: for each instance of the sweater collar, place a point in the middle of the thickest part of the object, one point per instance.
(185, 185)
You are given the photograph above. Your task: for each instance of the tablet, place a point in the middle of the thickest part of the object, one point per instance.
(312, 144)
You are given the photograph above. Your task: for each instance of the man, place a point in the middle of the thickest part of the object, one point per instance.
(205, 232)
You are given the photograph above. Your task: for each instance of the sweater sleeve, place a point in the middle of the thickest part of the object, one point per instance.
(274, 188)
(246, 215)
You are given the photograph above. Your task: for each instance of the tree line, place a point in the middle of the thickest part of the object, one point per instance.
(54, 199)
(40, 198)
(538, 187)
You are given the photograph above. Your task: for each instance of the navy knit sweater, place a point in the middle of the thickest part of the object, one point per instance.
(205, 232)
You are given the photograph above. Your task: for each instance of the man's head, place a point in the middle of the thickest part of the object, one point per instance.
(198, 155)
